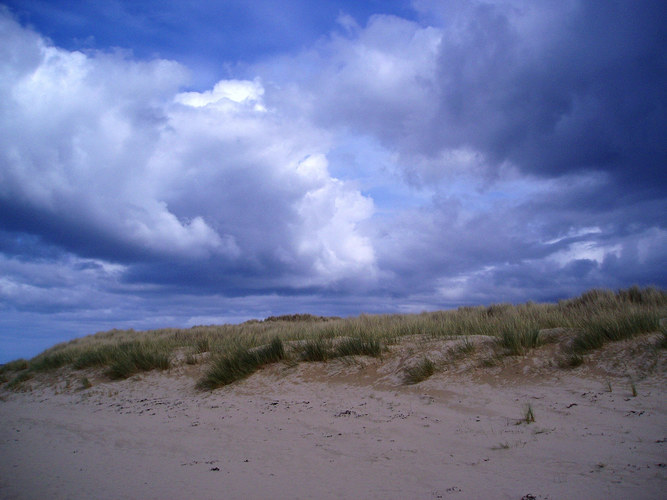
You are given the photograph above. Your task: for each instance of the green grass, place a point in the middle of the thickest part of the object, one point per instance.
(464, 348)
(529, 415)
(102, 355)
(317, 349)
(273, 352)
(202, 345)
(241, 363)
(517, 338)
(419, 372)
(359, 346)
(662, 344)
(134, 357)
(14, 366)
(599, 316)
(613, 325)
(244, 361)
(16, 383)
(323, 348)
(297, 318)
(229, 368)
(572, 360)
(52, 361)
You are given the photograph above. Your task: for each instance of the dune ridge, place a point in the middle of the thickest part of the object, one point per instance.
(488, 420)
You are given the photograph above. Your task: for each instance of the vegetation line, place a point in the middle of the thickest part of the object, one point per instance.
(234, 352)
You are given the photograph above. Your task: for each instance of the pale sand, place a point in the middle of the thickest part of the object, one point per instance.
(343, 430)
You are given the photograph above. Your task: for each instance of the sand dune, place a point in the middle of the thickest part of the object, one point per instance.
(346, 429)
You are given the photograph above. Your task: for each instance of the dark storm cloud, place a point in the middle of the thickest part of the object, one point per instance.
(551, 87)
(588, 95)
(66, 231)
(544, 245)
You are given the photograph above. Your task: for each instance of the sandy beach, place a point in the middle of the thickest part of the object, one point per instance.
(345, 429)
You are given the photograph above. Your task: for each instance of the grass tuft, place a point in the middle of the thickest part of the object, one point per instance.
(518, 338)
(419, 372)
(102, 355)
(16, 383)
(662, 343)
(51, 361)
(202, 345)
(571, 361)
(464, 348)
(241, 363)
(529, 416)
(14, 366)
(359, 346)
(134, 357)
(271, 353)
(613, 325)
(317, 349)
(501, 446)
(229, 368)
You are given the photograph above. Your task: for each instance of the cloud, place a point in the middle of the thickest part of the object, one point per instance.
(478, 152)
(520, 126)
(330, 214)
(549, 88)
(379, 78)
(237, 91)
(100, 148)
(556, 90)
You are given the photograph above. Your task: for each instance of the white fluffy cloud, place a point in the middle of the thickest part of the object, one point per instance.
(100, 143)
(330, 213)
(379, 78)
(237, 91)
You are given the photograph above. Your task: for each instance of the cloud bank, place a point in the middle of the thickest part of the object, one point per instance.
(481, 152)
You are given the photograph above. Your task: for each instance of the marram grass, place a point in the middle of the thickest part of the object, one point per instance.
(359, 346)
(236, 351)
(419, 372)
(317, 349)
(241, 363)
(135, 357)
(518, 337)
(609, 326)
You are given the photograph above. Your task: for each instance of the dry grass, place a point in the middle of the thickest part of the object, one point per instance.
(235, 351)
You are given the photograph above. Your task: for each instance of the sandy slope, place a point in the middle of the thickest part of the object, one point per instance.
(343, 430)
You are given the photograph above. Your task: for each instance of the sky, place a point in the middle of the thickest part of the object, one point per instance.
(171, 164)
